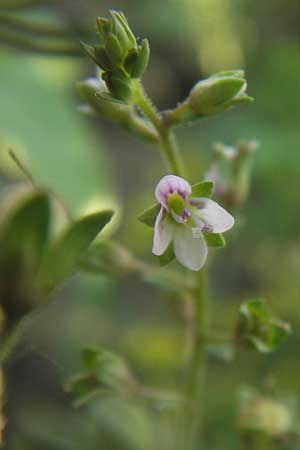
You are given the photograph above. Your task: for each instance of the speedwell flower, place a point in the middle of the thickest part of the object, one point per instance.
(183, 219)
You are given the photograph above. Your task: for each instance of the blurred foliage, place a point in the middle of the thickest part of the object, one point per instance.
(189, 39)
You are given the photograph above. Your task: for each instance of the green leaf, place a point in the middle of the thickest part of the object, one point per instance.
(149, 215)
(202, 189)
(89, 357)
(214, 239)
(168, 256)
(254, 310)
(260, 331)
(24, 232)
(64, 257)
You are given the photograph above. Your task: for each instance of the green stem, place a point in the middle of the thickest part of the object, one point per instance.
(194, 388)
(167, 139)
(190, 417)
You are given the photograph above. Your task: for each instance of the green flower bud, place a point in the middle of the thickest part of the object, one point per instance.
(120, 23)
(217, 93)
(113, 49)
(118, 85)
(137, 60)
(104, 27)
(101, 57)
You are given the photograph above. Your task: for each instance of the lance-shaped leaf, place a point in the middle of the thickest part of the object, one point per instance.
(64, 257)
(102, 371)
(24, 231)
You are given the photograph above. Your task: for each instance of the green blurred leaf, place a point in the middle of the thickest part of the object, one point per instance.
(24, 232)
(149, 215)
(214, 239)
(260, 331)
(63, 258)
(202, 189)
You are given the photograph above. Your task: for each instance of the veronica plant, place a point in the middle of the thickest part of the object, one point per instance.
(185, 222)
(185, 219)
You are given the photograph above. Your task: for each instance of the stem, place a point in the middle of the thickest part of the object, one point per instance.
(192, 419)
(167, 139)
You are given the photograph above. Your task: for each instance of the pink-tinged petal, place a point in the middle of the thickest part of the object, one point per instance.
(190, 250)
(163, 233)
(213, 214)
(170, 184)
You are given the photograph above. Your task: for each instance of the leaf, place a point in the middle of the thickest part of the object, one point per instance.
(167, 257)
(24, 231)
(64, 257)
(149, 215)
(202, 189)
(89, 358)
(214, 239)
(254, 310)
(257, 329)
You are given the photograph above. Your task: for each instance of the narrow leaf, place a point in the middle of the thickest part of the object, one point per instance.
(149, 215)
(64, 257)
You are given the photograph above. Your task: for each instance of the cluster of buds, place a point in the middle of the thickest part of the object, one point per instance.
(119, 55)
(231, 171)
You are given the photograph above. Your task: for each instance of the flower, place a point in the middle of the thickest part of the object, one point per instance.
(183, 219)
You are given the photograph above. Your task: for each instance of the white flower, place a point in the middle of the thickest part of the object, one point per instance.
(183, 219)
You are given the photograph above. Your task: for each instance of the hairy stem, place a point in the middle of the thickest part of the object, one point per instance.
(167, 141)
(190, 415)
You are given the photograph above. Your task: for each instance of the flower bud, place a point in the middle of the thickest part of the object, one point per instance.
(118, 54)
(113, 49)
(218, 93)
(118, 85)
(231, 170)
(258, 413)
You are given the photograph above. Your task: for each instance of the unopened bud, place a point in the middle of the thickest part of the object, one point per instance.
(118, 86)
(217, 93)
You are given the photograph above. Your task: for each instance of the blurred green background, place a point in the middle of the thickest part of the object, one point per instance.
(90, 163)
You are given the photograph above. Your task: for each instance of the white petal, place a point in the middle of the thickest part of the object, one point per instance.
(190, 251)
(163, 233)
(213, 214)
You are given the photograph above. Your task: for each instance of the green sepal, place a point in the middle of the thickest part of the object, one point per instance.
(143, 59)
(113, 49)
(168, 256)
(89, 50)
(148, 216)
(101, 58)
(118, 85)
(203, 189)
(131, 61)
(63, 258)
(214, 239)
